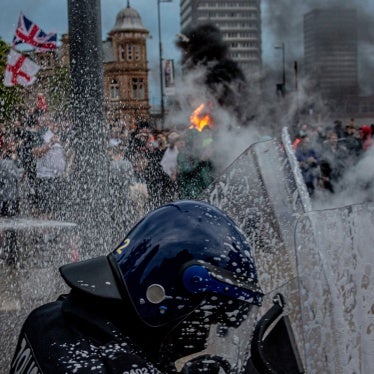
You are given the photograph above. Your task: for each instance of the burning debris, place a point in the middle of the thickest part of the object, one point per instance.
(201, 117)
(203, 47)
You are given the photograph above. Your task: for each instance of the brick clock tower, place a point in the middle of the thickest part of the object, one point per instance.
(126, 70)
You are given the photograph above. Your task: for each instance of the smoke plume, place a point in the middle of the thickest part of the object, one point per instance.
(247, 108)
(205, 52)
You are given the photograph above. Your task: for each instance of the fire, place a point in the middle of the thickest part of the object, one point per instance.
(200, 118)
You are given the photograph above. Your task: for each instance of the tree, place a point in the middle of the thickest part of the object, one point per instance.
(58, 92)
(10, 97)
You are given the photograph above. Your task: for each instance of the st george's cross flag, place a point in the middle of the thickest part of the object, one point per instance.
(19, 70)
(30, 33)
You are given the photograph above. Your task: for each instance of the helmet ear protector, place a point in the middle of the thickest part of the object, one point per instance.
(199, 277)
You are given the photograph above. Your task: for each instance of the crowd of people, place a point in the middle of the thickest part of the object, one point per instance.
(147, 167)
(150, 167)
(326, 153)
(35, 153)
(164, 165)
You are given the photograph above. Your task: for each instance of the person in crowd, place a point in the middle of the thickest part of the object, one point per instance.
(352, 123)
(118, 162)
(159, 145)
(137, 151)
(365, 135)
(169, 159)
(139, 139)
(338, 128)
(50, 168)
(10, 177)
(194, 163)
(162, 141)
(9, 150)
(335, 155)
(155, 304)
(352, 143)
(321, 132)
(152, 179)
(18, 130)
(318, 136)
(303, 131)
(308, 162)
(121, 177)
(161, 188)
(29, 134)
(139, 191)
(324, 178)
(115, 136)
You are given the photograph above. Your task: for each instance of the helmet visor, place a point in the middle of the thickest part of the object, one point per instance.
(201, 277)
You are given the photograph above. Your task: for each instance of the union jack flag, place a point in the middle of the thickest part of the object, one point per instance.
(30, 33)
(19, 70)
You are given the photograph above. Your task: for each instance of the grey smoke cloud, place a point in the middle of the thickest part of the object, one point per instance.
(356, 187)
(283, 22)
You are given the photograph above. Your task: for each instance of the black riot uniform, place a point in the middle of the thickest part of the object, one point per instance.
(182, 274)
(69, 336)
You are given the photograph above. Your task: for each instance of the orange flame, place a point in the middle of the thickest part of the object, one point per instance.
(199, 119)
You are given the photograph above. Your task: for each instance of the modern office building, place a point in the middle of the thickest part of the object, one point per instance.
(239, 22)
(331, 52)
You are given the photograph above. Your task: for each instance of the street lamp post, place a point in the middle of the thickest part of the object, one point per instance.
(89, 194)
(160, 56)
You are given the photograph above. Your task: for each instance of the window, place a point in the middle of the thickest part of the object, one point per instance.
(137, 52)
(138, 92)
(114, 90)
(130, 54)
(122, 53)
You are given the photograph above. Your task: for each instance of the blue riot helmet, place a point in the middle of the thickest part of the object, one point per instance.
(184, 264)
(180, 253)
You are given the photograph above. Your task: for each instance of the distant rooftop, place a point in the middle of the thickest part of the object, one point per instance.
(128, 19)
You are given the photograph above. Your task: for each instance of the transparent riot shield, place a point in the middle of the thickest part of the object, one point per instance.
(335, 266)
(262, 346)
(321, 261)
(261, 191)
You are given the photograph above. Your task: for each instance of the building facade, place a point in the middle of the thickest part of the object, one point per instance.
(239, 22)
(331, 52)
(126, 92)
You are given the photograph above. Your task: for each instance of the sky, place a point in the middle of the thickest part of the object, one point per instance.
(51, 15)
(281, 22)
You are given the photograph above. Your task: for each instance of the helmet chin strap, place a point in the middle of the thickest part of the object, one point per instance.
(203, 362)
(206, 361)
(181, 362)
